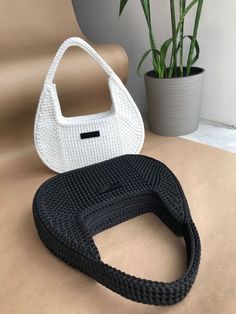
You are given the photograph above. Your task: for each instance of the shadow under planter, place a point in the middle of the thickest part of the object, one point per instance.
(174, 103)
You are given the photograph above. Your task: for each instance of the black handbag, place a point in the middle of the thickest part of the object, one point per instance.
(70, 208)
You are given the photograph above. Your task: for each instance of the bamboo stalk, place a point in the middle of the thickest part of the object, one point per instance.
(186, 11)
(182, 5)
(155, 58)
(159, 56)
(173, 58)
(196, 25)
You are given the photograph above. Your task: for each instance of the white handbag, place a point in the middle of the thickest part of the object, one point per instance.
(66, 143)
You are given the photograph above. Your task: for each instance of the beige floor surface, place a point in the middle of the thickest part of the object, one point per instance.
(34, 281)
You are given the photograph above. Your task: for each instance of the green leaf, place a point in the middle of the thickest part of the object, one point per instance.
(196, 47)
(146, 53)
(164, 49)
(146, 10)
(122, 6)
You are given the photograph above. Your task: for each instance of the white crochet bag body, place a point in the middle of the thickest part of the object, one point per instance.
(66, 143)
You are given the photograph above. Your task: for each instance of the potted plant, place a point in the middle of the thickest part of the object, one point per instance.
(173, 88)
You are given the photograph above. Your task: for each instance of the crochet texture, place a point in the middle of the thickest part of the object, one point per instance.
(58, 139)
(71, 208)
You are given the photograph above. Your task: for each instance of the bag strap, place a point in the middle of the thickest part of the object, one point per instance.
(149, 291)
(79, 42)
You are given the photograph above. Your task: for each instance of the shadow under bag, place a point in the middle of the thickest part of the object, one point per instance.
(66, 143)
(70, 208)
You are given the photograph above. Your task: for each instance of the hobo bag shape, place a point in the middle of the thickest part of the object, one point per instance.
(71, 208)
(66, 143)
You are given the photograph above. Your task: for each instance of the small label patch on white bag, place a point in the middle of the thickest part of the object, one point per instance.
(89, 134)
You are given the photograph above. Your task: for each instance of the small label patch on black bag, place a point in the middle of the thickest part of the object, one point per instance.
(110, 187)
(89, 134)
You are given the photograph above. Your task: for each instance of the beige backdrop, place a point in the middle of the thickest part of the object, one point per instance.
(32, 279)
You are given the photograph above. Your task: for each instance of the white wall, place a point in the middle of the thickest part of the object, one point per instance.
(217, 36)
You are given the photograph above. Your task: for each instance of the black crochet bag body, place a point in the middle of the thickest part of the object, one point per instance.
(70, 208)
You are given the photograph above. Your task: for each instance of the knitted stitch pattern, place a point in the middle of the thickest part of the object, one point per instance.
(70, 208)
(61, 142)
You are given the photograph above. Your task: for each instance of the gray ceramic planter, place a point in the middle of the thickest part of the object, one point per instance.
(174, 104)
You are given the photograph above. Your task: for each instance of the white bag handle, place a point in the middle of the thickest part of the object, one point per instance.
(79, 42)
